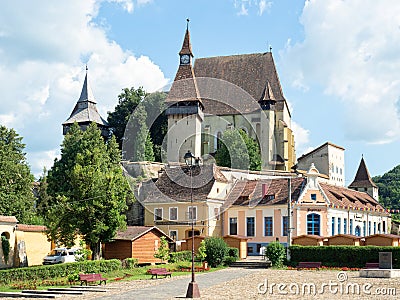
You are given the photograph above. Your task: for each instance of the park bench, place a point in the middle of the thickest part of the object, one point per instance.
(85, 278)
(371, 265)
(158, 272)
(308, 265)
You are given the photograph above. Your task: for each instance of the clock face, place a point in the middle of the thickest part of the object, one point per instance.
(185, 59)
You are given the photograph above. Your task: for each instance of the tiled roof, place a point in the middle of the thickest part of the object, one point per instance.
(85, 110)
(134, 232)
(311, 236)
(390, 236)
(174, 184)
(276, 192)
(31, 228)
(347, 198)
(8, 219)
(349, 236)
(362, 179)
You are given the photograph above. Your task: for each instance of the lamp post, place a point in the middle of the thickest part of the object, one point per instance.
(193, 288)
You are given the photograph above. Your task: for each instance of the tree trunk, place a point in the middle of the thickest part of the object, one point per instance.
(96, 250)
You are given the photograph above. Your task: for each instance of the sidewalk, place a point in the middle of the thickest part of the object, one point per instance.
(177, 288)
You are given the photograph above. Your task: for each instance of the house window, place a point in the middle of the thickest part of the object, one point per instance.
(369, 227)
(384, 227)
(333, 225)
(192, 210)
(339, 225)
(374, 227)
(285, 225)
(313, 224)
(364, 228)
(345, 225)
(250, 226)
(358, 231)
(216, 213)
(173, 213)
(233, 226)
(157, 214)
(351, 226)
(268, 226)
(313, 197)
(379, 227)
(173, 234)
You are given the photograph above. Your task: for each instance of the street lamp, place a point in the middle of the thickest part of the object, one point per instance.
(193, 288)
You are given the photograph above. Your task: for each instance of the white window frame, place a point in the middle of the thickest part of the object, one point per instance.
(189, 212)
(176, 213)
(155, 215)
(176, 234)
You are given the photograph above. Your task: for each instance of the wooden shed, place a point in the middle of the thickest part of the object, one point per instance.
(308, 240)
(187, 245)
(382, 240)
(239, 242)
(139, 242)
(344, 239)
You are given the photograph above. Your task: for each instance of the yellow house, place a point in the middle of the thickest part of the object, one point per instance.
(168, 205)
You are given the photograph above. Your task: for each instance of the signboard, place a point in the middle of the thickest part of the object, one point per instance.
(385, 260)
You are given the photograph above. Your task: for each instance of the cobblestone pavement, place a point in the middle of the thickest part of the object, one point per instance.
(235, 283)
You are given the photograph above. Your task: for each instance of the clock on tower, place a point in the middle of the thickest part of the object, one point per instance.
(185, 59)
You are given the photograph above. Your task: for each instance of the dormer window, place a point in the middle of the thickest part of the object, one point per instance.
(270, 197)
(313, 197)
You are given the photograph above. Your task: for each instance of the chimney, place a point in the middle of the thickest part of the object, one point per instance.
(264, 189)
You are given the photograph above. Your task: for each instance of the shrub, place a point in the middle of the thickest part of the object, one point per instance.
(59, 270)
(228, 260)
(233, 252)
(130, 263)
(201, 252)
(216, 250)
(275, 253)
(180, 256)
(342, 256)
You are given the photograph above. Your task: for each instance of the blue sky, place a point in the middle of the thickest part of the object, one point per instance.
(338, 63)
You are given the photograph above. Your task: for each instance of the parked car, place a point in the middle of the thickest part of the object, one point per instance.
(60, 255)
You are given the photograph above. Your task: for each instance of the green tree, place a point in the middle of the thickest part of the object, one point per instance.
(88, 190)
(5, 245)
(163, 250)
(389, 188)
(150, 117)
(239, 151)
(216, 249)
(201, 251)
(128, 100)
(16, 180)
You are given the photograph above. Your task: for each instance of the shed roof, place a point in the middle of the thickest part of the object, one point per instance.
(8, 219)
(134, 232)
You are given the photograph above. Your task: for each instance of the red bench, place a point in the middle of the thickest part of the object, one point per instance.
(308, 265)
(371, 265)
(158, 272)
(85, 278)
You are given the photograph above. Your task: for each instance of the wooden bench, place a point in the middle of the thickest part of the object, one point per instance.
(371, 265)
(85, 278)
(158, 272)
(308, 265)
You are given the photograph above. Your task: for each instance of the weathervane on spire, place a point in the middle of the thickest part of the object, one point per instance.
(86, 68)
(187, 23)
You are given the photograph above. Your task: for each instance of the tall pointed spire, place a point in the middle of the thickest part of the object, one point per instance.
(362, 179)
(86, 93)
(186, 46)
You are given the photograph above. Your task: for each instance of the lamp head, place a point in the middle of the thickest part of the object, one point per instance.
(189, 158)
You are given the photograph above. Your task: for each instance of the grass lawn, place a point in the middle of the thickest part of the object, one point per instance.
(138, 273)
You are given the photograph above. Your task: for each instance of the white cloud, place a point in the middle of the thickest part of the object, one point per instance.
(263, 6)
(42, 159)
(302, 138)
(351, 49)
(243, 6)
(42, 69)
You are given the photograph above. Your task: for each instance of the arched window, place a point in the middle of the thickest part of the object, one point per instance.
(358, 231)
(313, 224)
(217, 140)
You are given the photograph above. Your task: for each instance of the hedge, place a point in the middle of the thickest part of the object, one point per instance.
(342, 256)
(60, 270)
(233, 252)
(180, 256)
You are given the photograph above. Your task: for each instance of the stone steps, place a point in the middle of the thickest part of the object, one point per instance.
(251, 264)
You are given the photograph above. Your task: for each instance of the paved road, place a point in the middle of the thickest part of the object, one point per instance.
(177, 288)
